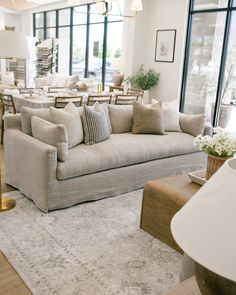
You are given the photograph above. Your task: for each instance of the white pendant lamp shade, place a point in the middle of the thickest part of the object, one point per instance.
(13, 45)
(100, 7)
(205, 228)
(136, 5)
(74, 2)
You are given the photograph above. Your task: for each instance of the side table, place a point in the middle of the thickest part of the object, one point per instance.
(162, 199)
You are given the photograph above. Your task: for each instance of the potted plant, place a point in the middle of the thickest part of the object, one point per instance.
(219, 148)
(145, 80)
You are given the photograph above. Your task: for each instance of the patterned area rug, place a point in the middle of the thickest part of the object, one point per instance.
(94, 248)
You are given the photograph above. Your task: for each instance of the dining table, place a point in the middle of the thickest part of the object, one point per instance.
(46, 100)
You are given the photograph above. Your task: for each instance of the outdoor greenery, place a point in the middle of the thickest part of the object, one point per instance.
(144, 79)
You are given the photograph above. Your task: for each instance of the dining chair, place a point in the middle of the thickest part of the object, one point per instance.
(29, 90)
(138, 92)
(61, 102)
(99, 98)
(8, 106)
(125, 99)
(56, 89)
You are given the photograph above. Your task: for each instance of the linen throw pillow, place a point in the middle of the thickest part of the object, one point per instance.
(95, 125)
(27, 113)
(192, 124)
(171, 115)
(121, 117)
(148, 118)
(52, 134)
(70, 117)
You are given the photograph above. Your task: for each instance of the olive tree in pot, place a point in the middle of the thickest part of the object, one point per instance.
(145, 80)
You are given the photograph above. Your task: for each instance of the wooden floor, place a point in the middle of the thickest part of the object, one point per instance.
(10, 282)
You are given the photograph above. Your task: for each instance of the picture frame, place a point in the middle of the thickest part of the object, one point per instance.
(165, 45)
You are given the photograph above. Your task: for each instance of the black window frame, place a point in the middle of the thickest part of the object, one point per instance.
(229, 10)
(105, 23)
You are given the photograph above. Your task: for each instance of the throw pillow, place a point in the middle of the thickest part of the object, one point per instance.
(171, 115)
(52, 134)
(59, 81)
(97, 106)
(95, 125)
(27, 113)
(40, 82)
(69, 117)
(72, 81)
(7, 78)
(121, 117)
(192, 124)
(148, 118)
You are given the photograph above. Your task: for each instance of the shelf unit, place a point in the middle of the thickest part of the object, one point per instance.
(46, 52)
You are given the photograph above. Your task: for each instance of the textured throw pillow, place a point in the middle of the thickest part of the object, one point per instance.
(171, 115)
(121, 117)
(95, 125)
(72, 81)
(192, 124)
(97, 107)
(8, 78)
(52, 134)
(70, 117)
(148, 118)
(40, 82)
(27, 113)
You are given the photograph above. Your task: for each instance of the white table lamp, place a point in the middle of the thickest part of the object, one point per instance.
(205, 228)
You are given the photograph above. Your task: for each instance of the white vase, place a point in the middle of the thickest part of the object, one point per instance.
(146, 97)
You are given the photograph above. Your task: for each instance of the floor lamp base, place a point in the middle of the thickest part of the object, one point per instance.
(6, 204)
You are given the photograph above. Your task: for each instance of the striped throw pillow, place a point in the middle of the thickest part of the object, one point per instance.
(96, 126)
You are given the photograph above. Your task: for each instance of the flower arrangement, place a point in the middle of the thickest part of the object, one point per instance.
(144, 80)
(220, 144)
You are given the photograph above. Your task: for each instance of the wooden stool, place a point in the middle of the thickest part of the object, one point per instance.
(162, 199)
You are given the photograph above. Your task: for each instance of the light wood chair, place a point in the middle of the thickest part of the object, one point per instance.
(56, 89)
(125, 99)
(138, 92)
(29, 90)
(99, 98)
(8, 106)
(61, 102)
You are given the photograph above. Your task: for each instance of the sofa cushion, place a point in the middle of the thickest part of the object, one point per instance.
(27, 113)
(70, 117)
(52, 134)
(192, 124)
(97, 129)
(148, 118)
(171, 115)
(123, 150)
(121, 117)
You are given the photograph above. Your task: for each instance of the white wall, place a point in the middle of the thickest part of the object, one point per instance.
(159, 15)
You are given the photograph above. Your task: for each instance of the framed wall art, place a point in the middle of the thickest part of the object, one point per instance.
(165, 45)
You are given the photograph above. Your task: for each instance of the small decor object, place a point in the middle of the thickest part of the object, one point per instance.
(219, 148)
(117, 79)
(165, 45)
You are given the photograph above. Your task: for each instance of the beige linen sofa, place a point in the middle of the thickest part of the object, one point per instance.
(123, 163)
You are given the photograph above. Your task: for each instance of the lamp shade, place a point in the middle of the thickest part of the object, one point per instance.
(136, 5)
(205, 228)
(13, 45)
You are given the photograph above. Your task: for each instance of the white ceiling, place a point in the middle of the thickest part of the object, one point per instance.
(20, 5)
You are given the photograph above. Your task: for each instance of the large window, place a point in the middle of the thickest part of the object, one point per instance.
(209, 80)
(89, 44)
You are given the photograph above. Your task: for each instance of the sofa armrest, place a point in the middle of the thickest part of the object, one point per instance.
(30, 166)
(12, 121)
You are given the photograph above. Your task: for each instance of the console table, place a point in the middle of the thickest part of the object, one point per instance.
(162, 199)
